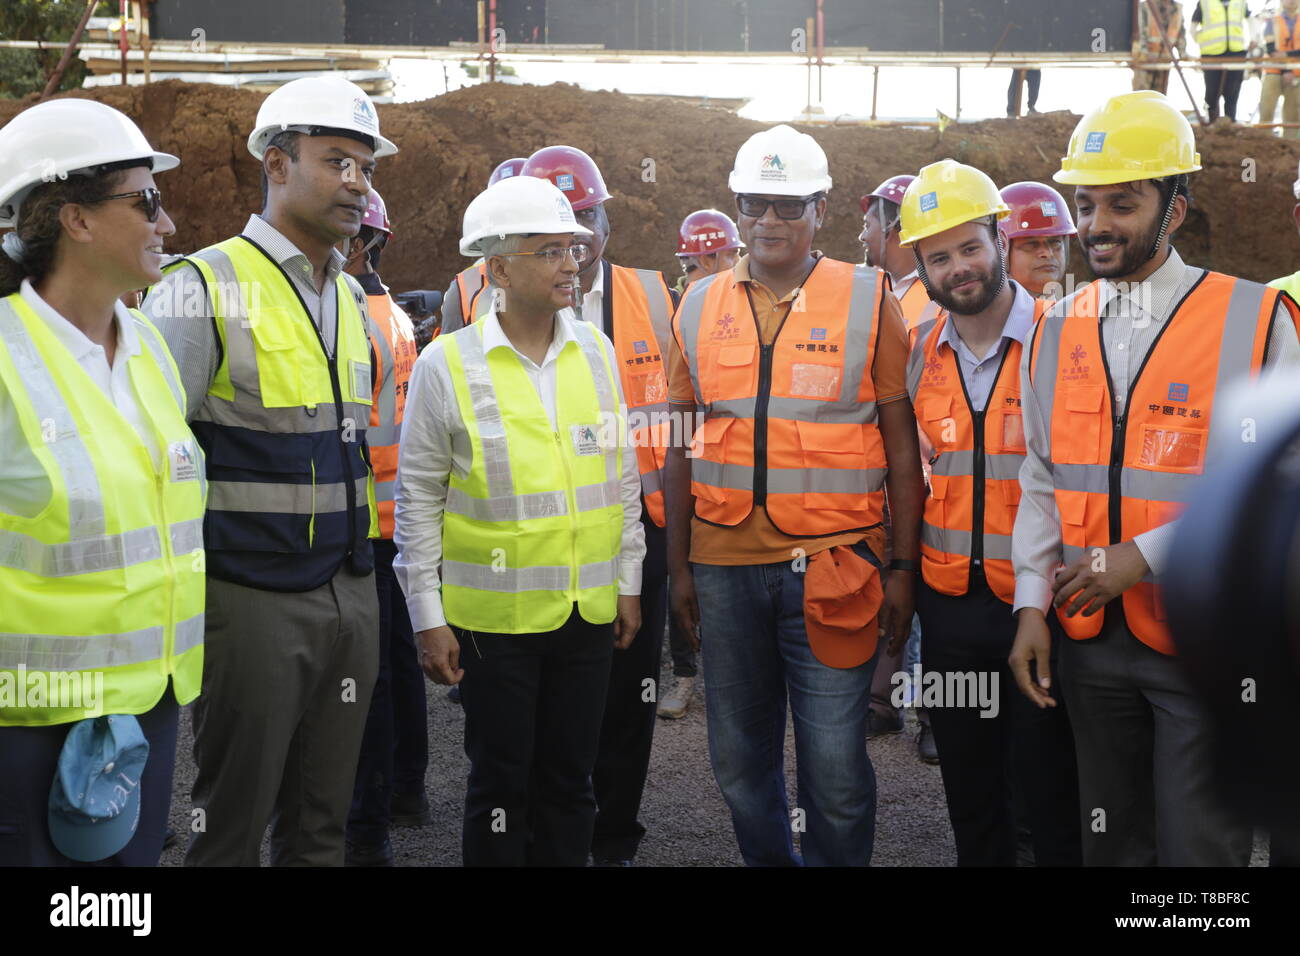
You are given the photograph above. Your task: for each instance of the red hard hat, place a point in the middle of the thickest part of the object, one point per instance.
(891, 189)
(1036, 210)
(705, 231)
(510, 167)
(376, 216)
(573, 171)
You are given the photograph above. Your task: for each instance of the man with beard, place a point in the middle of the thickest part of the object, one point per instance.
(964, 380)
(1118, 388)
(1037, 234)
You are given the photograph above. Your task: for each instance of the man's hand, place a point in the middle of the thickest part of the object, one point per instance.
(440, 655)
(897, 608)
(684, 605)
(1033, 645)
(628, 621)
(1098, 576)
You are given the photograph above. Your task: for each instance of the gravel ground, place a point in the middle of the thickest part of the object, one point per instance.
(683, 811)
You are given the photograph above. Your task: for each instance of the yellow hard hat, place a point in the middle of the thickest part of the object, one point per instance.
(946, 194)
(1130, 137)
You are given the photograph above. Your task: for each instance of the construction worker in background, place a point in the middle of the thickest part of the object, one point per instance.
(964, 381)
(1033, 79)
(518, 507)
(1148, 47)
(459, 303)
(1282, 39)
(1037, 233)
(271, 339)
(632, 307)
(707, 242)
(879, 238)
(1118, 392)
(798, 364)
(101, 496)
(1222, 35)
(395, 748)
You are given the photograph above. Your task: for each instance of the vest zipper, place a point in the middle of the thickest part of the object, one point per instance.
(760, 422)
(977, 482)
(572, 502)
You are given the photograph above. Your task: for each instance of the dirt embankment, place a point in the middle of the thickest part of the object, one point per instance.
(661, 160)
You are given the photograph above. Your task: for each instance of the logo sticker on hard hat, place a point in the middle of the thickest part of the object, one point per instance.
(564, 210)
(363, 114)
(1048, 207)
(929, 202)
(1094, 142)
(564, 181)
(772, 168)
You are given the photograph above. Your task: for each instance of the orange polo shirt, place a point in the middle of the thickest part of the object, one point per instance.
(755, 540)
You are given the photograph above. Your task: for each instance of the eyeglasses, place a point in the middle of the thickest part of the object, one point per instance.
(755, 206)
(554, 257)
(152, 201)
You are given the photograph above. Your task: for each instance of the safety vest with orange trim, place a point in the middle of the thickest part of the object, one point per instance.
(460, 309)
(790, 426)
(974, 483)
(1117, 477)
(917, 305)
(392, 343)
(1286, 39)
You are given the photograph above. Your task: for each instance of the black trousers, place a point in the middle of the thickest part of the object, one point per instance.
(1225, 83)
(1034, 78)
(395, 745)
(981, 757)
(685, 662)
(29, 758)
(533, 704)
(627, 729)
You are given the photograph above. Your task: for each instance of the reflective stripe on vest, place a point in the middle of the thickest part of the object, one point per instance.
(392, 339)
(790, 426)
(284, 428)
(108, 577)
(1223, 27)
(1114, 481)
(473, 298)
(917, 305)
(973, 480)
(642, 310)
(526, 537)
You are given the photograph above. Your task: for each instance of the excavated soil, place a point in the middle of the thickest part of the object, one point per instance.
(663, 159)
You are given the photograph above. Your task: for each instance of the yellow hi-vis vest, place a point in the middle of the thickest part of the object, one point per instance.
(1223, 27)
(102, 592)
(537, 524)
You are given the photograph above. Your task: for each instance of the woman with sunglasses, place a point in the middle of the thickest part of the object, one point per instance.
(101, 495)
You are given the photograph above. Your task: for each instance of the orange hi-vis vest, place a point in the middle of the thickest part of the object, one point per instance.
(392, 345)
(917, 305)
(1286, 39)
(974, 481)
(642, 313)
(789, 426)
(641, 307)
(1115, 478)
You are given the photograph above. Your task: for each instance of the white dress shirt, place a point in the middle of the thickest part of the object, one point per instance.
(24, 488)
(593, 302)
(1130, 322)
(435, 444)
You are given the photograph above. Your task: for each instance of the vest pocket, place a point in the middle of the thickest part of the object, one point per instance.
(1172, 449)
(735, 372)
(709, 447)
(936, 516)
(1076, 437)
(831, 445)
(278, 360)
(261, 495)
(1012, 433)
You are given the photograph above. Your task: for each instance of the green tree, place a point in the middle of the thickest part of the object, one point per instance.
(24, 71)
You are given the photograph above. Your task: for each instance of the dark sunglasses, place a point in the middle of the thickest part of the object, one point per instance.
(755, 206)
(151, 201)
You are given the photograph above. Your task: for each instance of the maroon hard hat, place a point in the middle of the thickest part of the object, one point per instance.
(510, 167)
(891, 189)
(376, 216)
(1036, 210)
(705, 231)
(573, 171)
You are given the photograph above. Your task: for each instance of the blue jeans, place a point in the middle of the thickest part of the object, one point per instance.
(756, 656)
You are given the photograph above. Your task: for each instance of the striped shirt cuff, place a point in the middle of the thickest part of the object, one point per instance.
(1032, 590)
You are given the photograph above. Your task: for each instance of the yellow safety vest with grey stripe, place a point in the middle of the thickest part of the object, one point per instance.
(1223, 27)
(537, 524)
(102, 590)
(283, 426)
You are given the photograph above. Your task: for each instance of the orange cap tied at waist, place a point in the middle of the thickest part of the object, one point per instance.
(841, 600)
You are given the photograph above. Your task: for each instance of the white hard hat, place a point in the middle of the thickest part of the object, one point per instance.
(780, 161)
(520, 205)
(62, 138)
(312, 101)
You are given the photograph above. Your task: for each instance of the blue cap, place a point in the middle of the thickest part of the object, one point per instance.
(95, 799)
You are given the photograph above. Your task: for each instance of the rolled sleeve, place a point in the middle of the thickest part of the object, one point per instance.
(178, 306)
